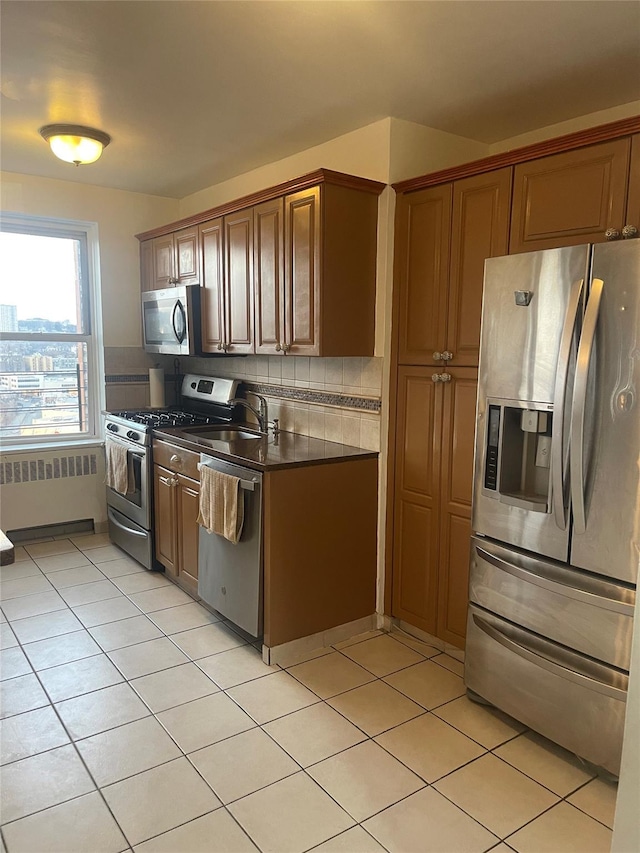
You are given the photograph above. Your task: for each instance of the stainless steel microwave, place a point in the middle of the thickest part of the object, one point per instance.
(171, 320)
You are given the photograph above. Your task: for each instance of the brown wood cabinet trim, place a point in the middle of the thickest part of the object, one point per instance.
(320, 176)
(579, 139)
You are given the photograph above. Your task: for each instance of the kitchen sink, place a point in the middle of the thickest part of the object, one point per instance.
(228, 434)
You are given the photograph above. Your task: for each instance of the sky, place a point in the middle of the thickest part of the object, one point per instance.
(38, 275)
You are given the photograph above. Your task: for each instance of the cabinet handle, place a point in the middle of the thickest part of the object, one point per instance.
(175, 460)
(629, 231)
(441, 377)
(278, 347)
(286, 348)
(443, 356)
(168, 481)
(612, 234)
(220, 346)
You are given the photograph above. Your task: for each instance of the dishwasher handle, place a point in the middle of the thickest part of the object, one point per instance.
(247, 485)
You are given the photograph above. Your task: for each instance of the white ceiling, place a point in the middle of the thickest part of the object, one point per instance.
(196, 92)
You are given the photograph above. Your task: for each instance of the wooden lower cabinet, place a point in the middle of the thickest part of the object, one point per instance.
(432, 512)
(176, 526)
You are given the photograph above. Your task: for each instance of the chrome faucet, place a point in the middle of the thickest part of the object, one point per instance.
(262, 414)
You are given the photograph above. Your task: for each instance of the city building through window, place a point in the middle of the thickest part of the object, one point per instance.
(49, 330)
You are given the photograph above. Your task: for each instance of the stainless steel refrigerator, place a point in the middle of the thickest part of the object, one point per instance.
(556, 503)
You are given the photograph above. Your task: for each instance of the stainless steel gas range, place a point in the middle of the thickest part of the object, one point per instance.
(204, 400)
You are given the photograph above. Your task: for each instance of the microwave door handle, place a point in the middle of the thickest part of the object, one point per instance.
(182, 330)
(559, 457)
(576, 447)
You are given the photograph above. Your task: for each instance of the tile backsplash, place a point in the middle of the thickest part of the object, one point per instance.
(337, 399)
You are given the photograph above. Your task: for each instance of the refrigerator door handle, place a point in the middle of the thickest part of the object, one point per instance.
(598, 599)
(576, 446)
(549, 665)
(559, 457)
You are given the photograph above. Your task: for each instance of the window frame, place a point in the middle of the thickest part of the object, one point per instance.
(91, 336)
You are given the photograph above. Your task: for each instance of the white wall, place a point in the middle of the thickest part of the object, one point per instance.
(572, 126)
(120, 215)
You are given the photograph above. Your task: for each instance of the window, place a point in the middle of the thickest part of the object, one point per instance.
(49, 356)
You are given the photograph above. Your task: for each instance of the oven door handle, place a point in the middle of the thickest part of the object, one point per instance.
(122, 526)
(131, 448)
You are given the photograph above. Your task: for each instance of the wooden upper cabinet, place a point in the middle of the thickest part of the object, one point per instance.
(147, 280)
(422, 272)
(632, 218)
(480, 230)
(170, 260)
(570, 198)
(302, 272)
(268, 275)
(187, 256)
(416, 506)
(163, 262)
(212, 308)
(238, 281)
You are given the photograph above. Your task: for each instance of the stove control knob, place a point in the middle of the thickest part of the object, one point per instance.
(134, 436)
(112, 427)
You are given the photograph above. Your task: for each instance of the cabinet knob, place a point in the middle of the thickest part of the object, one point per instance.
(629, 231)
(174, 460)
(441, 377)
(612, 234)
(286, 348)
(443, 356)
(278, 347)
(220, 346)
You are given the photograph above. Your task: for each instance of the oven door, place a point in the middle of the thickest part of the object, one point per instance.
(171, 320)
(136, 505)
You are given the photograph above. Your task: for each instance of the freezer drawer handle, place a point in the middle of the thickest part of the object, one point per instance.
(552, 584)
(550, 666)
(559, 456)
(585, 350)
(248, 485)
(122, 526)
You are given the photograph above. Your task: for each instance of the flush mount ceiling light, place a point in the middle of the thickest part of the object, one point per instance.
(74, 143)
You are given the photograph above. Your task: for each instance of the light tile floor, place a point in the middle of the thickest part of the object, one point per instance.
(133, 719)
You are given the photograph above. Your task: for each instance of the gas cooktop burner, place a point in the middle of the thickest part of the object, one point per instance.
(164, 418)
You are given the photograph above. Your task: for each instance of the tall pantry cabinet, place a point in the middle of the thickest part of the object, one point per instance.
(443, 235)
(576, 189)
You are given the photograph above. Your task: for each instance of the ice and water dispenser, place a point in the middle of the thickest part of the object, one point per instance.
(517, 457)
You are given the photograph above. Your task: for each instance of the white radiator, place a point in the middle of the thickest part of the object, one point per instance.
(43, 488)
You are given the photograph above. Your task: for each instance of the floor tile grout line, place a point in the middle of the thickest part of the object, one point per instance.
(368, 737)
(86, 768)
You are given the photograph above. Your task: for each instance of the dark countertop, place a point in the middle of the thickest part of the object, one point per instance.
(263, 454)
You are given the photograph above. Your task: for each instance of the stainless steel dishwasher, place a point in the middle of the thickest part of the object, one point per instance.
(230, 576)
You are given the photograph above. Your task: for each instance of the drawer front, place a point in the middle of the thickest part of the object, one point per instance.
(592, 616)
(563, 696)
(176, 459)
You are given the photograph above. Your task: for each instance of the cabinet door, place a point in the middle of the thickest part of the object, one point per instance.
(480, 230)
(302, 272)
(422, 272)
(163, 266)
(633, 201)
(268, 269)
(570, 198)
(187, 255)
(238, 280)
(188, 494)
(211, 237)
(147, 280)
(458, 429)
(165, 519)
(416, 514)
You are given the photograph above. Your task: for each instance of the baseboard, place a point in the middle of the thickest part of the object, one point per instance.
(315, 645)
(424, 637)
